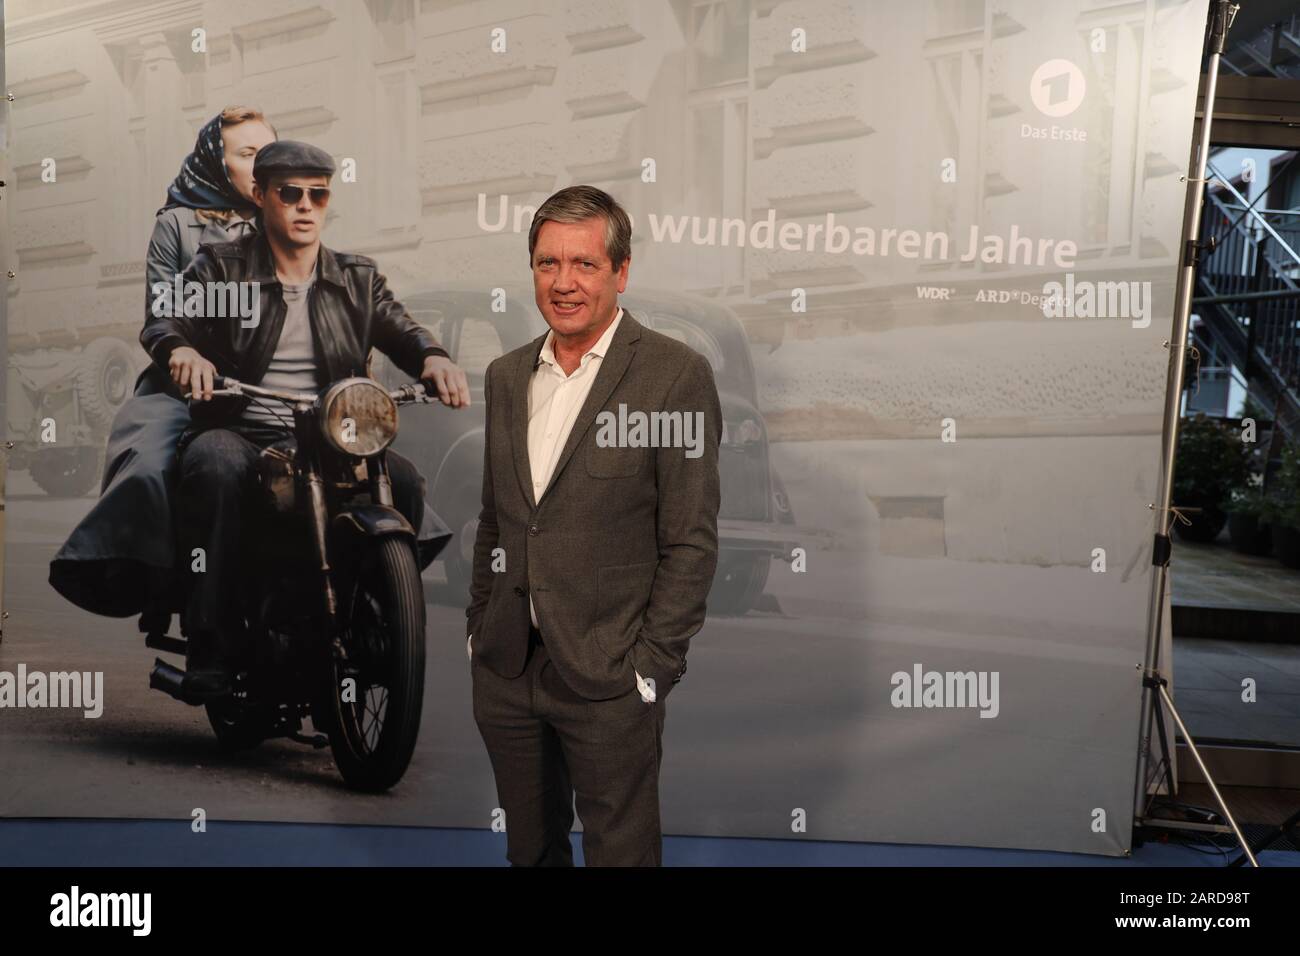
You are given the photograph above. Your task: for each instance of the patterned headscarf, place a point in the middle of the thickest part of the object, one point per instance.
(203, 182)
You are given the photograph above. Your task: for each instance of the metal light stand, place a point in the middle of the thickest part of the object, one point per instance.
(1155, 691)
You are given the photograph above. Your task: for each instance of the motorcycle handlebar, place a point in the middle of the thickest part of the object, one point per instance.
(420, 392)
(417, 392)
(224, 385)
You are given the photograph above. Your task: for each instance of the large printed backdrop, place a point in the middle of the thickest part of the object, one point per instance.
(855, 209)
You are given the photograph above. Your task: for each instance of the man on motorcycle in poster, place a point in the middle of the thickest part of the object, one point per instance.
(318, 314)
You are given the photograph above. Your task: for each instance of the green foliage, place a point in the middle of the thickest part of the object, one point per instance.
(1248, 500)
(1210, 462)
(1282, 504)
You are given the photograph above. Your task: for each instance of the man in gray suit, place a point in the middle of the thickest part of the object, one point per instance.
(596, 547)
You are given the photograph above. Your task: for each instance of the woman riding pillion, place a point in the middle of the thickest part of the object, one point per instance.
(119, 558)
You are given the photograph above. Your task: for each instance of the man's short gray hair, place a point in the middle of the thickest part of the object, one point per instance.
(578, 204)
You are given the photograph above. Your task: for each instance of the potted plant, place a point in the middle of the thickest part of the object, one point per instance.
(1282, 508)
(1247, 506)
(1249, 530)
(1210, 461)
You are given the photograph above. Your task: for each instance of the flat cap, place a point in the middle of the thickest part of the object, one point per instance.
(290, 156)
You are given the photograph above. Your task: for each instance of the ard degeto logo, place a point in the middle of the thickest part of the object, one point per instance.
(1057, 88)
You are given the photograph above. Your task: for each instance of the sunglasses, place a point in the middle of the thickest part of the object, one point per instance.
(290, 194)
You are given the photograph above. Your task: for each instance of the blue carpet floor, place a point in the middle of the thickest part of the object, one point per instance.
(170, 843)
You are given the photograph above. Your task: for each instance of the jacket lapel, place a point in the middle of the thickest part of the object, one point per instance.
(264, 337)
(338, 348)
(519, 418)
(612, 368)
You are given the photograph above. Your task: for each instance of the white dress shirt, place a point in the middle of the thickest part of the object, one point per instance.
(554, 400)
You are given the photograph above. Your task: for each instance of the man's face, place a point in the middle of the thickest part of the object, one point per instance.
(295, 223)
(576, 290)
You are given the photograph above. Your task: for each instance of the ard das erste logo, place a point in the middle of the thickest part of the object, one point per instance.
(1056, 89)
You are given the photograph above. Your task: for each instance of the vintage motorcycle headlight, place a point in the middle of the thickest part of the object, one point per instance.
(358, 417)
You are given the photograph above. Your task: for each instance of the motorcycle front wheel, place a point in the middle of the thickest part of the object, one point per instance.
(375, 697)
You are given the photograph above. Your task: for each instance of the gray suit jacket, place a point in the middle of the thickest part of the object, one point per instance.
(620, 550)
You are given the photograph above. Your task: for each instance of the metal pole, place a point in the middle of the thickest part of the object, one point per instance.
(1248, 296)
(1221, 14)
(1191, 745)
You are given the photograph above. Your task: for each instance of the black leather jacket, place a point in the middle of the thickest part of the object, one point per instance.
(350, 306)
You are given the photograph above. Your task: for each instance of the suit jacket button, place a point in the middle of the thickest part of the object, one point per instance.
(519, 590)
(534, 530)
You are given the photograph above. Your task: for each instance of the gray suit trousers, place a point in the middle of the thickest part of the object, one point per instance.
(551, 747)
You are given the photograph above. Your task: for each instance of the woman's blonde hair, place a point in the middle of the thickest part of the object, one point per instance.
(233, 116)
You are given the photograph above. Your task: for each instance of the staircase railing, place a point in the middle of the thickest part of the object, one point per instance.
(1254, 273)
(1273, 50)
(1248, 303)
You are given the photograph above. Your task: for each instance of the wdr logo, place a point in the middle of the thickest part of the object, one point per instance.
(1057, 88)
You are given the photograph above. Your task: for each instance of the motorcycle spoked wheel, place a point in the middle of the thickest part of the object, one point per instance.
(373, 736)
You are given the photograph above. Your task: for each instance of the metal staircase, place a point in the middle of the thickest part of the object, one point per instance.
(1248, 296)
(1274, 51)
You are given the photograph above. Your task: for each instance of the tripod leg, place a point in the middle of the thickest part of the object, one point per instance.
(1191, 745)
(1164, 747)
